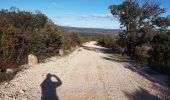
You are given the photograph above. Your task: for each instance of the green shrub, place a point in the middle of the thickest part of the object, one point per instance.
(45, 42)
(22, 33)
(74, 39)
(108, 41)
(160, 52)
(13, 44)
(141, 53)
(6, 76)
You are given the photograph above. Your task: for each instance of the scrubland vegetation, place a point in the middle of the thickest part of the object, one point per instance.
(24, 32)
(146, 36)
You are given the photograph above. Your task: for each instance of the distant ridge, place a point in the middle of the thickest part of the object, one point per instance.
(91, 30)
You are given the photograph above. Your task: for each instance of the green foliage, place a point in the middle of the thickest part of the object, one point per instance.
(120, 56)
(162, 23)
(108, 41)
(6, 76)
(137, 19)
(13, 44)
(22, 33)
(141, 53)
(144, 36)
(47, 42)
(24, 20)
(159, 54)
(74, 39)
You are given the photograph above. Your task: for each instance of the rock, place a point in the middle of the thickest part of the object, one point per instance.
(61, 52)
(22, 91)
(16, 84)
(32, 60)
(11, 95)
(77, 46)
(1, 95)
(9, 70)
(6, 83)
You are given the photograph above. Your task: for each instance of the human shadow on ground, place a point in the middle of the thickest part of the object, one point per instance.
(141, 94)
(49, 87)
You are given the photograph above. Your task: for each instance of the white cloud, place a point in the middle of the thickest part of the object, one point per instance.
(95, 16)
(107, 16)
(89, 20)
(86, 18)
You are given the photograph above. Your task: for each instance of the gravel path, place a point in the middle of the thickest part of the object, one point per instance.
(86, 74)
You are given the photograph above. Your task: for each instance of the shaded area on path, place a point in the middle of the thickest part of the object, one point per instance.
(149, 74)
(49, 87)
(141, 94)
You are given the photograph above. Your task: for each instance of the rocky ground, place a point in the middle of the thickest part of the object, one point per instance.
(86, 74)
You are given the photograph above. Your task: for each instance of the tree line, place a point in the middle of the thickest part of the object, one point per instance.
(145, 35)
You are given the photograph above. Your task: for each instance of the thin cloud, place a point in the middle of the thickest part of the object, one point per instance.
(105, 16)
(58, 17)
(84, 18)
(65, 16)
(95, 16)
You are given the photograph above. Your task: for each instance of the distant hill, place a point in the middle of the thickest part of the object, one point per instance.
(91, 30)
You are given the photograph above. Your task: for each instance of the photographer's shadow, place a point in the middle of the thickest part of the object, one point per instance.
(49, 87)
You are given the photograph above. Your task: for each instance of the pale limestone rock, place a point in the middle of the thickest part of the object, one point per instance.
(61, 52)
(32, 60)
(77, 46)
(22, 91)
(9, 70)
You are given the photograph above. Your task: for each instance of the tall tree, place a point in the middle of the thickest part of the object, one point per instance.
(136, 18)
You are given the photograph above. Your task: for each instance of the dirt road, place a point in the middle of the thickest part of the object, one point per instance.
(86, 74)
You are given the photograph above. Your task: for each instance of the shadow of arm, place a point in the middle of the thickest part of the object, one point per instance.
(58, 80)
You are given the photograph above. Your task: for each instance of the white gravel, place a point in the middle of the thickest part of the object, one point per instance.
(85, 75)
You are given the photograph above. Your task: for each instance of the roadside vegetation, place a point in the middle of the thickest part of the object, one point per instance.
(24, 32)
(145, 36)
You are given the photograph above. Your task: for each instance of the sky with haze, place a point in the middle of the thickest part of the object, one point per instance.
(75, 13)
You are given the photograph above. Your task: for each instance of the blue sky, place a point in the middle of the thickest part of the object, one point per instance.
(76, 13)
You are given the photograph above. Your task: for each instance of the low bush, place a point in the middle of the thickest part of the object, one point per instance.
(6, 76)
(109, 41)
(120, 56)
(141, 53)
(160, 52)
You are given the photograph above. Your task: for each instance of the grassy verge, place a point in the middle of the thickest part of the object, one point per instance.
(7, 76)
(120, 56)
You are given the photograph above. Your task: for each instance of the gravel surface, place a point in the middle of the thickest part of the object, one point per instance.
(85, 74)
